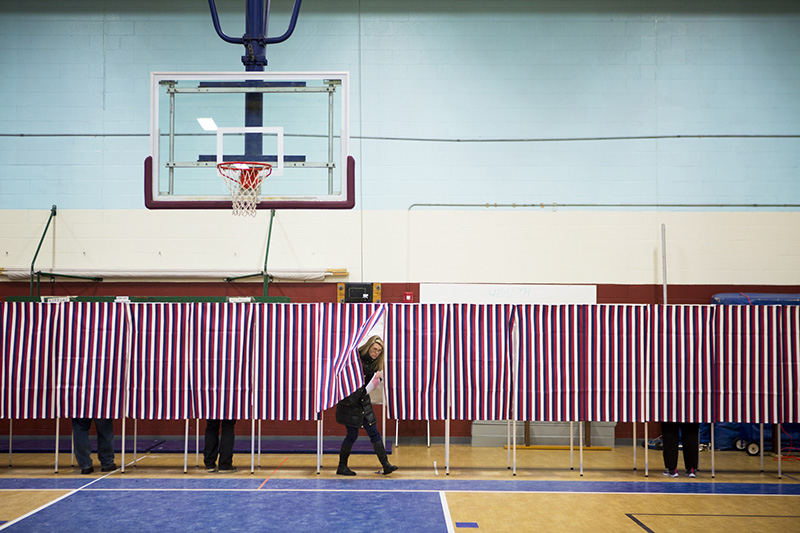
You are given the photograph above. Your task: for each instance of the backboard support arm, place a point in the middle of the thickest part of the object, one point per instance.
(255, 39)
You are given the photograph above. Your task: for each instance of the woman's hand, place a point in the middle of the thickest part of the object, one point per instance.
(375, 381)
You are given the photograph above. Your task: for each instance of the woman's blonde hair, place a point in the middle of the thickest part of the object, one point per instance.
(364, 350)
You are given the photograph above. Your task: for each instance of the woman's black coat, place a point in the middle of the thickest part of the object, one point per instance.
(356, 409)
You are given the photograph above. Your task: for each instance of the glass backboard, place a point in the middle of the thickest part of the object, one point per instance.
(296, 121)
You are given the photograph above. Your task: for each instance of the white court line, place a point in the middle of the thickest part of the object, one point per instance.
(446, 511)
(67, 495)
(26, 515)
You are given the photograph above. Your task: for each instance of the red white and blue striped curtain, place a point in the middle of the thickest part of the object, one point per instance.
(748, 385)
(26, 359)
(91, 359)
(342, 329)
(615, 340)
(416, 375)
(698, 363)
(681, 363)
(159, 366)
(549, 384)
(283, 363)
(220, 360)
(790, 364)
(481, 359)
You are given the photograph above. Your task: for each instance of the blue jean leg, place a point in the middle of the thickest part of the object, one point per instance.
(352, 434)
(105, 440)
(80, 439)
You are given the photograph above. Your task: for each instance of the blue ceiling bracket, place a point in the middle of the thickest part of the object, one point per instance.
(255, 39)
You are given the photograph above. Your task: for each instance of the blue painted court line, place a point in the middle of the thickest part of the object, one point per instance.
(243, 511)
(210, 482)
(43, 483)
(467, 524)
(452, 485)
(387, 484)
(45, 444)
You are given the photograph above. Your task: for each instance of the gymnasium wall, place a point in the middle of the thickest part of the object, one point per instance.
(496, 142)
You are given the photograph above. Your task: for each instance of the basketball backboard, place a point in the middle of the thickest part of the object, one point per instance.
(296, 121)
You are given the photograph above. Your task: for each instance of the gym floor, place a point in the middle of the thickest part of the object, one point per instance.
(286, 494)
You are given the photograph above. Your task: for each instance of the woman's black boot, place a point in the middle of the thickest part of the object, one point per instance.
(344, 455)
(380, 451)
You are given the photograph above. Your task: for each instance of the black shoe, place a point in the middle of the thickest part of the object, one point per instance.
(88, 470)
(211, 469)
(344, 471)
(108, 468)
(344, 455)
(227, 470)
(380, 451)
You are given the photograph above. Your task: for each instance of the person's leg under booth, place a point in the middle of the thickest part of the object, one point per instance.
(211, 448)
(691, 447)
(669, 434)
(226, 446)
(80, 439)
(105, 443)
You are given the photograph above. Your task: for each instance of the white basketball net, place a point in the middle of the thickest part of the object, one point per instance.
(244, 183)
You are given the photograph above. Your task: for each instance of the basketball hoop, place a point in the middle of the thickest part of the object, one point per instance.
(244, 179)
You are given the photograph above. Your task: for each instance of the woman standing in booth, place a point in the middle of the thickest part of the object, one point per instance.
(687, 434)
(356, 410)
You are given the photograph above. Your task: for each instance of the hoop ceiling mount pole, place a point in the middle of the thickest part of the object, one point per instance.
(255, 43)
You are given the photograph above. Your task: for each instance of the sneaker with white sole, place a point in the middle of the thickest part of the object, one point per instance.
(673, 473)
(692, 473)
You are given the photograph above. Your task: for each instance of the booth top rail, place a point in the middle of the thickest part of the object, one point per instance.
(150, 299)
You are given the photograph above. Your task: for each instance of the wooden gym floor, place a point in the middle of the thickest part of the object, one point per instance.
(480, 492)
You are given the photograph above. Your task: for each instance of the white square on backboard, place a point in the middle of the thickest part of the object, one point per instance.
(277, 170)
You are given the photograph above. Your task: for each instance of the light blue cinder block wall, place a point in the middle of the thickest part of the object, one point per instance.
(453, 101)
